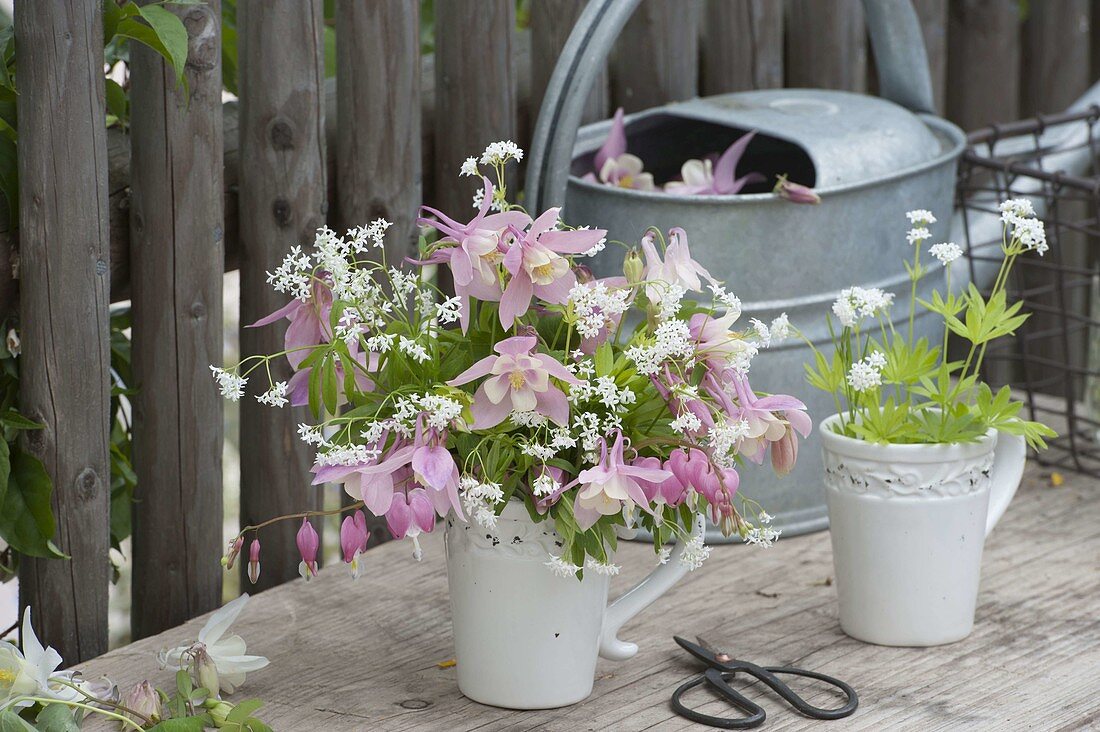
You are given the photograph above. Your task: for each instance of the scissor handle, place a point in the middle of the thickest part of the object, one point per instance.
(768, 676)
(714, 678)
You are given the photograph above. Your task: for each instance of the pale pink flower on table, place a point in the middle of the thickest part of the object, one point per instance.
(700, 177)
(477, 252)
(612, 484)
(309, 322)
(677, 267)
(308, 543)
(519, 381)
(615, 166)
(538, 265)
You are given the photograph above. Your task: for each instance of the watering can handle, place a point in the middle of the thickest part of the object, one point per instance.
(896, 40)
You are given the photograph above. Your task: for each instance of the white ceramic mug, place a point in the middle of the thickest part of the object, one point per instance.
(908, 525)
(525, 638)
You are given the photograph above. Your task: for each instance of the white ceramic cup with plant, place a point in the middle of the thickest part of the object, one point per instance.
(921, 458)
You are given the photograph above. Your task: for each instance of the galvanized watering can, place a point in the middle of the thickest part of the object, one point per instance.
(869, 159)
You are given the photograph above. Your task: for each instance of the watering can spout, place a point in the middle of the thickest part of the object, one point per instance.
(900, 55)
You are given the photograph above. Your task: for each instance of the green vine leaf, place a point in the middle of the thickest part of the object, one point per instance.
(26, 514)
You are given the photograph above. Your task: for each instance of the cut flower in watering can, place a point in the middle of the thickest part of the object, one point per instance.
(892, 388)
(594, 403)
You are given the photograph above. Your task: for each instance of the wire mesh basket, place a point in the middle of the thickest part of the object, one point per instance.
(1054, 360)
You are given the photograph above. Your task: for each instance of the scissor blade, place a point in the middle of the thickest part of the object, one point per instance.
(703, 653)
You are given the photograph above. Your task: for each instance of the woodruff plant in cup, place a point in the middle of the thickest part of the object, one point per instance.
(892, 388)
(922, 457)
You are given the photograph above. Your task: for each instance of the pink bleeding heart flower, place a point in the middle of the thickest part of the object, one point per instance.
(254, 562)
(475, 258)
(795, 192)
(411, 514)
(670, 491)
(612, 484)
(677, 267)
(353, 540)
(537, 263)
(308, 542)
(309, 322)
(718, 486)
(701, 177)
(520, 382)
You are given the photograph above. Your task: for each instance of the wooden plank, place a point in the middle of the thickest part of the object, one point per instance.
(741, 46)
(283, 200)
(65, 366)
(378, 113)
(656, 59)
(1055, 67)
(983, 58)
(551, 23)
(475, 87)
(933, 23)
(1032, 661)
(177, 261)
(826, 45)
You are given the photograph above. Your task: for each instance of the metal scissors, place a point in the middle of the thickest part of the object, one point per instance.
(722, 668)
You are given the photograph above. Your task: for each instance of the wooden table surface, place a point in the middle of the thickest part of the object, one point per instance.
(365, 655)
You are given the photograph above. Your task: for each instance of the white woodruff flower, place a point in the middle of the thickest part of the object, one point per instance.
(501, 152)
(230, 384)
(947, 252)
(865, 375)
(275, 396)
(1032, 234)
(857, 302)
(694, 554)
(727, 300)
(310, 434)
(877, 359)
(1014, 208)
(917, 234)
(780, 328)
(686, 423)
(480, 500)
(604, 568)
(920, 216)
(544, 485)
(469, 167)
(763, 333)
(561, 568)
(413, 349)
(595, 306)
(763, 536)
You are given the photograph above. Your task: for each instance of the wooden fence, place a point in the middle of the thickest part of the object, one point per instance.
(198, 187)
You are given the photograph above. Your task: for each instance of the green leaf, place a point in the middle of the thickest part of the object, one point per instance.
(180, 724)
(605, 359)
(26, 514)
(243, 710)
(12, 722)
(172, 34)
(56, 718)
(117, 102)
(15, 420)
(137, 31)
(330, 386)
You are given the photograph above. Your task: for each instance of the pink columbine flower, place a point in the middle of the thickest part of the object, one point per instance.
(701, 178)
(309, 322)
(768, 421)
(612, 484)
(308, 543)
(538, 265)
(353, 540)
(795, 192)
(614, 165)
(677, 268)
(715, 343)
(254, 561)
(477, 252)
(520, 381)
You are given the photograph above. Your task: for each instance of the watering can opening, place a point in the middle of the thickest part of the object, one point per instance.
(664, 141)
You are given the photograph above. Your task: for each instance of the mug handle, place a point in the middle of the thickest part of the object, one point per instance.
(1009, 458)
(639, 597)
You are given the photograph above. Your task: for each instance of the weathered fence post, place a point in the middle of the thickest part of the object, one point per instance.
(65, 366)
(176, 267)
(983, 61)
(1054, 70)
(282, 202)
(826, 45)
(656, 58)
(551, 23)
(742, 46)
(475, 88)
(933, 23)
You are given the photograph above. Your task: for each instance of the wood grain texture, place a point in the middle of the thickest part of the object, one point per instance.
(177, 259)
(551, 23)
(283, 200)
(983, 57)
(65, 264)
(363, 655)
(933, 23)
(378, 112)
(656, 59)
(475, 86)
(826, 45)
(1055, 57)
(741, 46)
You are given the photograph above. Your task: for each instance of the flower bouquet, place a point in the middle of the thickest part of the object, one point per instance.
(922, 457)
(593, 405)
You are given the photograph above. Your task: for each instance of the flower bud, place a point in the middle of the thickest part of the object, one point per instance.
(633, 267)
(794, 192)
(254, 562)
(583, 273)
(234, 550)
(144, 700)
(13, 343)
(204, 671)
(219, 711)
(308, 542)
